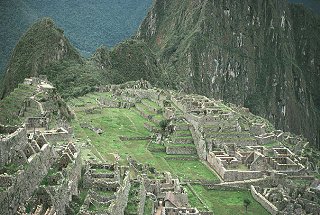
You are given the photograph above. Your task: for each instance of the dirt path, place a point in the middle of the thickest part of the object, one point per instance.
(158, 211)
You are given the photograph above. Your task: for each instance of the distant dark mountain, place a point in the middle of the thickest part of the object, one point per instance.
(88, 24)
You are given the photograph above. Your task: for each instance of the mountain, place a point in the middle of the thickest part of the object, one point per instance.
(263, 55)
(114, 21)
(128, 61)
(44, 50)
(41, 45)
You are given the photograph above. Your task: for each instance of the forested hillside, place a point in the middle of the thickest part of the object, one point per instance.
(88, 24)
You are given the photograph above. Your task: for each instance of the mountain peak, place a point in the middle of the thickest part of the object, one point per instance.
(44, 43)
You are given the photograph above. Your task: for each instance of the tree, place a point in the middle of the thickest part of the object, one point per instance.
(246, 203)
(163, 124)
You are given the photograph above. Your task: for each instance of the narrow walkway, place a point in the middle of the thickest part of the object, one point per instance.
(39, 104)
(158, 211)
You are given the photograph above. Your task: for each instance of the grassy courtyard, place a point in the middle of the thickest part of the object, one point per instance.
(115, 123)
(227, 202)
(192, 170)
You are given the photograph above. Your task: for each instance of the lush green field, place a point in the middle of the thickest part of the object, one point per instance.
(116, 122)
(193, 170)
(227, 202)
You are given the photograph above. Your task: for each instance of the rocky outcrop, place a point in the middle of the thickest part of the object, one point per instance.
(257, 54)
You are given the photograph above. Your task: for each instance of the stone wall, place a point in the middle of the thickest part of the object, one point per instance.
(63, 192)
(199, 143)
(231, 175)
(263, 201)
(37, 122)
(180, 150)
(27, 180)
(144, 94)
(169, 113)
(119, 205)
(54, 136)
(142, 199)
(15, 141)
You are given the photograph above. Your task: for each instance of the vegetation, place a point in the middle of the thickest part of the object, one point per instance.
(127, 122)
(228, 202)
(132, 206)
(41, 45)
(246, 203)
(12, 104)
(192, 170)
(113, 21)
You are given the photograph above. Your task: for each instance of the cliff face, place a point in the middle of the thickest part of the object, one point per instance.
(260, 54)
(40, 46)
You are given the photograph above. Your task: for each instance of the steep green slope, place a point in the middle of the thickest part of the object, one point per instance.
(128, 61)
(244, 52)
(134, 60)
(41, 45)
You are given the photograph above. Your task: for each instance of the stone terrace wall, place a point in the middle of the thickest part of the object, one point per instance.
(57, 136)
(142, 199)
(263, 201)
(62, 193)
(118, 206)
(27, 180)
(200, 143)
(235, 175)
(144, 94)
(181, 150)
(13, 142)
(231, 175)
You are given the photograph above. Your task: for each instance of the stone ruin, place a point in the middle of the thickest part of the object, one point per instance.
(27, 160)
(108, 189)
(41, 168)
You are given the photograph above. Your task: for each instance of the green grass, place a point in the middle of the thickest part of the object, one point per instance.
(228, 202)
(192, 170)
(10, 169)
(105, 193)
(127, 122)
(144, 108)
(133, 200)
(181, 145)
(103, 171)
(151, 103)
(148, 207)
(272, 144)
(242, 167)
(183, 132)
(194, 201)
(114, 123)
(11, 105)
